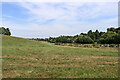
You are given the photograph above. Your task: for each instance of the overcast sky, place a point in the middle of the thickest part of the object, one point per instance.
(45, 19)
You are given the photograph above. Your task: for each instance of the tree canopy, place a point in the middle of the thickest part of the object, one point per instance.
(5, 31)
(112, 36)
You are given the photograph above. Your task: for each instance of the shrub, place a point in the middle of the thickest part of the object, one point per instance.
(112, 45)
(83, 39)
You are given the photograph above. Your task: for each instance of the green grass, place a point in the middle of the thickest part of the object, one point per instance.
(23, 58)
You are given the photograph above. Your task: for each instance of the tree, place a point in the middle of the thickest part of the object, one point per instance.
(84, 39)
(109, 38)
(117, 30)
(91, 34)
(101, 33)
(8, 31)
(5, 31)
(111, 29)
(2, 30)
(97, 34)
(63, 39)
(112, 36)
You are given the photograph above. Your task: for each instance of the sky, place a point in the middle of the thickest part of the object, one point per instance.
(52, 19)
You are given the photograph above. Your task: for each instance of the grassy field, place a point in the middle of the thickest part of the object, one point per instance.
(23, 58)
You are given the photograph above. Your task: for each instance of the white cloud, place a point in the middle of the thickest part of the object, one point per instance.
(60, 0)
(34, 30)
(41, 12)
(68, 18)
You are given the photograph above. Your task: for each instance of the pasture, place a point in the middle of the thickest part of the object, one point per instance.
(23, 58)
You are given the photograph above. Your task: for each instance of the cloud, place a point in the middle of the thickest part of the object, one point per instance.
(60, 0)
(42, 12)
(34, 30)
(55, 19)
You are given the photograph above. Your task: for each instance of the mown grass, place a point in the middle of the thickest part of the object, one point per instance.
(23, 58)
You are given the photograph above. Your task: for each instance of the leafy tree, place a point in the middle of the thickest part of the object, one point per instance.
(111, 29)
(97, 34)
(83, 34)
(101, 33)
(5, 31)
(109, 38)
(52, 40)
(2, 30)
(91, 34)
(112, 36)
(84, 39)
(63, 39)
(117, 30)
(8, 31)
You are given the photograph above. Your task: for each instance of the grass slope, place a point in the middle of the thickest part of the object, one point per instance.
(32, 59)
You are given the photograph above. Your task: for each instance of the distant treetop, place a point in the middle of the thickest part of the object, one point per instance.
(5, 31)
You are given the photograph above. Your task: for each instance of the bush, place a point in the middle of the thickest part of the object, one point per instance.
(112, 45)
(83, 39)
(57, 43)
(86, 45)
(110, 38)
(106, 45)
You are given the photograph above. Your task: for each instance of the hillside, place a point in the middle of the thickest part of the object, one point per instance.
(35, 59)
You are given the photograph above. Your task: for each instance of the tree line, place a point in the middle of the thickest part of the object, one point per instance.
(5, 31)
(112, 36)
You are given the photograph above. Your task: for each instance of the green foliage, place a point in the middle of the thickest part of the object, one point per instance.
(5, 31)
(118, 30)
(2, 30)
(91, 34)
(111, 29)
(112, 45)
(52, 40)
(97, 35)
(8, 31)
(101, 33)
(84, 39)
(112, 36)
(63, 39)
